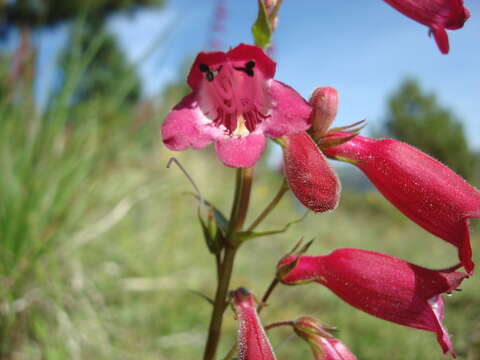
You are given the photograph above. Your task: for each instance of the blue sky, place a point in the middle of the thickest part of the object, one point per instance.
(363, 48)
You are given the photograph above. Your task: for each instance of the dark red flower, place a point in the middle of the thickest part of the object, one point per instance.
(422, 188)
(381, 285)
(438, 15)
(236, 103)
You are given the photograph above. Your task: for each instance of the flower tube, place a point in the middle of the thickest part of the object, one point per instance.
(422, 188)
(253, 343)
(309, 175)
(381, 285)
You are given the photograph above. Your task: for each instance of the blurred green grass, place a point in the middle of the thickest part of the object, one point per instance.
(100, 248)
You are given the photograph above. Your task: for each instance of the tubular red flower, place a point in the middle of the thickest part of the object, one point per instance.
(236, 103)
(422, 188)
(309, 175)
(381, 285)
(438, 15)
(252, 341)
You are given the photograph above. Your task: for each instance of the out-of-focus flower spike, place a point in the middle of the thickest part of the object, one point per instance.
(253, 343)
(309, 175)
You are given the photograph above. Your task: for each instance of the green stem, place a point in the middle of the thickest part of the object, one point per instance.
(283, 189)
(267, 294)
(237, 219)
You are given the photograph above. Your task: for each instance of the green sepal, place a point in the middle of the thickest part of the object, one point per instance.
(262, 29)
(213, 234)
(214, 227)
(243, 236)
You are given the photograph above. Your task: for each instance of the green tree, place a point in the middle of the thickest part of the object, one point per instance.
(418, 119)
(47, 12)
(108, 72)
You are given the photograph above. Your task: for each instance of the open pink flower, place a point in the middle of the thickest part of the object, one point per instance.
(236, 103)
(252, 341)
(422, 188)
(381, 285)
(438, 15)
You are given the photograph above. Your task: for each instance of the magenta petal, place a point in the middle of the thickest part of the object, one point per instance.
(438, 15)
(290, 113)
(185, 126)
(441, 38)
(443, 338)
(309, 175)
(240, 151)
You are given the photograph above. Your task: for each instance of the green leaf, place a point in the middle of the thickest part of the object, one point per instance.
(202, 295)
(262, 29)
(247, 235)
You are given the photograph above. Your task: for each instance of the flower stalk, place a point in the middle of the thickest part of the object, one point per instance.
(239, 212)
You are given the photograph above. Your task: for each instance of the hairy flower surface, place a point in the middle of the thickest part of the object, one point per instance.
(438, 15)
(252, 341)
(308, 173)
(236, 103)
(422, 188)
(381, 285)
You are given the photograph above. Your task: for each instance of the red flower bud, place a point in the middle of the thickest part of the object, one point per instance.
(422, 188)
(309, 175)
(324, 101)
(381, 285)
(438, 15)
(323, 345)
(253, 343)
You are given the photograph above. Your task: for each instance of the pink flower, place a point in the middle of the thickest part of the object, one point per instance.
(236, 103)
(252, 341)
(308, 173)
(422, 188)
(381, 285)
(438, 15)
(323, 345)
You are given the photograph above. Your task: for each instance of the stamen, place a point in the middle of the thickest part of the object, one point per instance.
(248, 69)
(208, 73)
